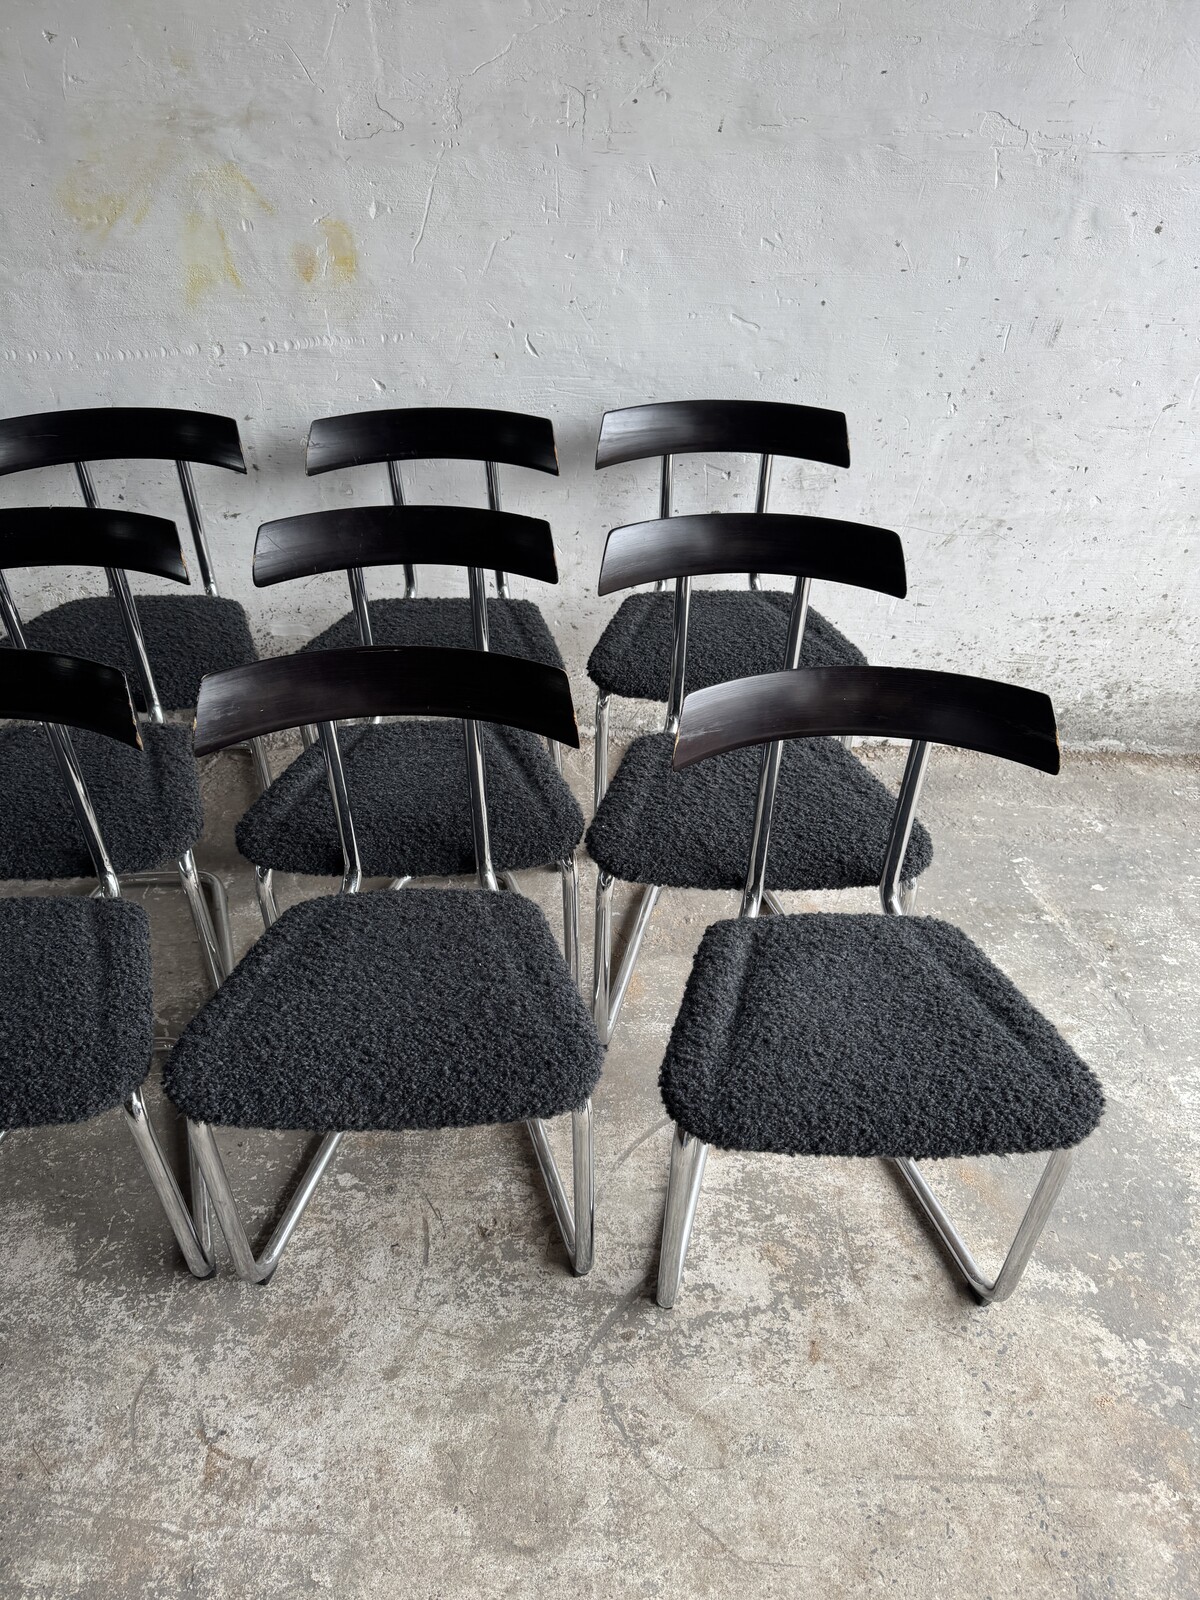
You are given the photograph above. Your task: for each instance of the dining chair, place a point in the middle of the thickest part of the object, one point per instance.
(185, 636)
(432, 1008)
(734, 634)
(889, 1036)
(441, 433)
(659, 827)
(78, 1032)
(408, 781)
(147, 800)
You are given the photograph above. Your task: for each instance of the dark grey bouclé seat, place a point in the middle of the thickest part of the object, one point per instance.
(408, 792)
(78, 1020)
(515, 628)
(147, 802)
(187, 637)
(731, 634)
(421, 1008)
(692, 829)
(839, 1035)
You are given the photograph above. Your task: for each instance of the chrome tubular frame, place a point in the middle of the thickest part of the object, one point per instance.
(600, 782)
(335, 774)
(199, 540)
(688, 1158)
(397, 487)
(763, 494)
(193, 1238)
(493, 493)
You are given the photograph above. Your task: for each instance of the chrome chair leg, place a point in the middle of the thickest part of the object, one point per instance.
(197, 1256)
(575, 1217)
(846, 741)
(773, 903)
(205, 932)
(991, 1290)
(568, 869)
(688, 1158)
(264, 893)
(249, 1268)
(600, 782)
(219, 905)
(201, 1206)
(262, 767)
(401, 883)
(609, 990)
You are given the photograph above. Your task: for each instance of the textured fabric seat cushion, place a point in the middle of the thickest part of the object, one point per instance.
(515, 627)
(412, 811)
(187, 636)
(147, 802)
(416, 1008)
(731, 634)
(867, 1036)
(692, 829)
(78, 1020)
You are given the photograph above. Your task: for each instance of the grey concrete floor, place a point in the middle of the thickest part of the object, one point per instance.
(424, 1402)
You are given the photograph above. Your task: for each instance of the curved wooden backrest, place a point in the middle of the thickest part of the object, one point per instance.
(1000, 719)
(74, 536)
(38, 686)
(747, 541)
(383, 681)
(762, 427)
(108, 433)
(386, 536)
(431, 433)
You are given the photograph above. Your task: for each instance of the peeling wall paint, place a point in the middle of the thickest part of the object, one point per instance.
(975, 232)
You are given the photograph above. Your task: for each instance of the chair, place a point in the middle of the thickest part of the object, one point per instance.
(186, 635)
(891, 1036)
(733, 634)
(434, 1008)
(424, 433)
(694, 830)
(78, 1032)
(147, 801)
(407, 781)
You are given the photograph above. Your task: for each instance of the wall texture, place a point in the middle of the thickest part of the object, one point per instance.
(971, 227)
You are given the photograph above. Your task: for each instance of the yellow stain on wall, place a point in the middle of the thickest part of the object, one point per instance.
(207, 259)
(95, 213)
(304, 258)
(342, 251)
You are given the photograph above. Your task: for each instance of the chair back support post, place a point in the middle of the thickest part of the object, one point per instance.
(118, 585)
(679, 628)
(772, 756)
(666, 484)
(358, 599)
(335, 773)
(396, 485)
(68, 764)
(763, 494)
(902, 826)
(493, 494)
(199, 538)
(476, 773)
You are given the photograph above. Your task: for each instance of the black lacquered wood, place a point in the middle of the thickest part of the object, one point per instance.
(38, 686)
(762, 427)
(73, 536)
(383, 681)
(999, 719)
(431, 433)
(388, 536)
(108, 433)
(808, 547)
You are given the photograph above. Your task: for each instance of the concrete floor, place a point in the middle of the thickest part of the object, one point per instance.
(424, 1402)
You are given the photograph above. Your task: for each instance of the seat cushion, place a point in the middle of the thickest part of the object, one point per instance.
(412, 811)
(834, 1035)
(187, 636)
(147, 802)
(419, 1008)
(78, 1015)
(692, 829)
(515, 627)
(732, 633)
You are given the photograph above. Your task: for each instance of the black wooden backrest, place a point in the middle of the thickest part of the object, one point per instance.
(924, 707)
(64, 692)
(381, 536)
(757, 427)
(728, 542)
(74, 536)
(432, 433)
(128, 433)
(329, 686)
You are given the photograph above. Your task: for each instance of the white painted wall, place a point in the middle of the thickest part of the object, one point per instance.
(973, 227)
